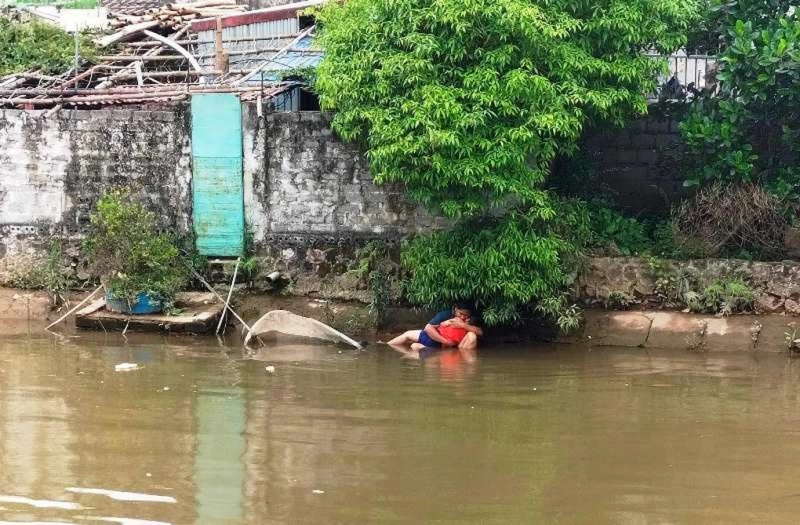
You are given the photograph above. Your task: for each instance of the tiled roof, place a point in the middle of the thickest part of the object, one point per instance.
(131, 7)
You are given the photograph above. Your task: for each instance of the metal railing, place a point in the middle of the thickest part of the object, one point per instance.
(688, 75)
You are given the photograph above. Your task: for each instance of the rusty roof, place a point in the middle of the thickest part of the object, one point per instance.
(131, 7)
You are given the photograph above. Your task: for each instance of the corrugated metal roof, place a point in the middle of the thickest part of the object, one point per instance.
(302, 55)
(269, 14)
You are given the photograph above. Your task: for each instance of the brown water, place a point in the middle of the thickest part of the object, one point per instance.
(525, 435)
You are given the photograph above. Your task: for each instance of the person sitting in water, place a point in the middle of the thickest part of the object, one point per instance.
(448, 328)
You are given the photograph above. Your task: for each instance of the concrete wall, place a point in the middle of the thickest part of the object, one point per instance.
(55, 169)
(302, 184)
(304, 188)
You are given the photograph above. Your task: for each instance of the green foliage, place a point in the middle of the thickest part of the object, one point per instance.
(37, 45)
(750, 131)
(704, 36)
(468, 103)
(48, 274)
(250, 265)
(375, 267)
(727, 297)
(611, 228)
(129, 254)
(501, 263)
(680, 288)
(618, 300)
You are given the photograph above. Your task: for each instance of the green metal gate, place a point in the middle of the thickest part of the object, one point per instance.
(217, 187)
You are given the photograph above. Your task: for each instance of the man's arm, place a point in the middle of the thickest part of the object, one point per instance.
(477, 330)
(434, 334)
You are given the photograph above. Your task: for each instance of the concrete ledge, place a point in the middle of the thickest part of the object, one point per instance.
(679, 331)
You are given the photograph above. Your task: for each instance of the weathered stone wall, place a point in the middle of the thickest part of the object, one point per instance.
(309, 198)
(608, 280)
(641, 163)
(310, 202)
(55, 168)
(300, 180)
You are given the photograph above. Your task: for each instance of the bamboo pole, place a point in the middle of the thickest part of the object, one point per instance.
(218, 296)
(129, 95)
(127, 58)
(230, 293)
(74, 309)
(155, 51)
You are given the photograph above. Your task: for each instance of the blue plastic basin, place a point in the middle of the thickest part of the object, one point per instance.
(144, 304)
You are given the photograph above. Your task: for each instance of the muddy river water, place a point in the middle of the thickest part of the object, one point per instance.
(201, 433)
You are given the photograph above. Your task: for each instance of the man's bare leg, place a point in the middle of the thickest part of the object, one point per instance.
(417, 346)
(405, 339)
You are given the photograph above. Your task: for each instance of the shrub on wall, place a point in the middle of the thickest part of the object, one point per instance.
(37, 45)
(469, 103)
(750, 131)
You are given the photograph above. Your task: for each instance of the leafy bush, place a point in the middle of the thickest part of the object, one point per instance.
(723, 297)
(501, 263)
(727, 297)
(37, 45)
(129, 254)
(468, 104)
(750, 130)
(613, 232)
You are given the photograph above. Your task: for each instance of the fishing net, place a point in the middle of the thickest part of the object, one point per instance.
(287, 323)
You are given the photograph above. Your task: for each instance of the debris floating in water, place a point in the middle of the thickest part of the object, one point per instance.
(126, 367)
(270, 369)
(40, 503)
(317, 491)
(123, 496)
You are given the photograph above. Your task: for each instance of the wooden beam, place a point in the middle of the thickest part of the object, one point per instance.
(127, 32)
(139, 58)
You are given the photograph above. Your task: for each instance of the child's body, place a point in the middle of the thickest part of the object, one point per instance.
(446, 330)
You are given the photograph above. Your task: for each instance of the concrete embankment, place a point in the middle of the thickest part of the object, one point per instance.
(642, 329)
(680, 331)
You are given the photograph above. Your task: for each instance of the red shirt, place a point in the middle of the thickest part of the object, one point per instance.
(453, 333)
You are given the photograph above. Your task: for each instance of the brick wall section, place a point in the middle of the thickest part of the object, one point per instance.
(640, 163)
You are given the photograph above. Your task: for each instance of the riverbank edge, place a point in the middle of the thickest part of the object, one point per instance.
(656, 329)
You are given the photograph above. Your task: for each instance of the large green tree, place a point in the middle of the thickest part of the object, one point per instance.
(468, 102)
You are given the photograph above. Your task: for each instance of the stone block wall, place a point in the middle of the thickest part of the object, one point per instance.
(605, 279)
(640, 163)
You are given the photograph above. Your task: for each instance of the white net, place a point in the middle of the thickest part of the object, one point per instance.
(285, 322)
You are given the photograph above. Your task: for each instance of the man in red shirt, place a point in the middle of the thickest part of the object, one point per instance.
(459, 319)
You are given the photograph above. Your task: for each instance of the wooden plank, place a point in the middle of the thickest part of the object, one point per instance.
(125, 33)
(199, 319)
(92, 307)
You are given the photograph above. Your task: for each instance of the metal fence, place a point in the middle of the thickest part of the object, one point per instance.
(688, 74)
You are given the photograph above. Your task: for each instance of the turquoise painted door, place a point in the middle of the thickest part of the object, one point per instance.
(218, 195)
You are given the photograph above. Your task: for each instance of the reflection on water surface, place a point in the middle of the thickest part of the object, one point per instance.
(204, 434)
